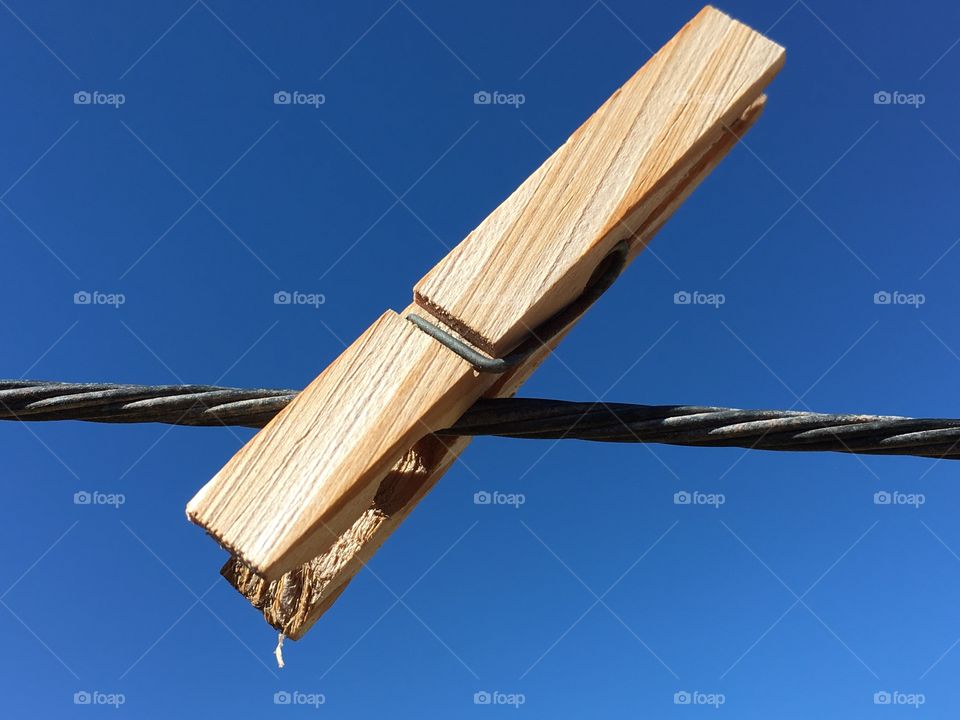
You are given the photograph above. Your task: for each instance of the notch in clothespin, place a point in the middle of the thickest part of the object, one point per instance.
(307, 488)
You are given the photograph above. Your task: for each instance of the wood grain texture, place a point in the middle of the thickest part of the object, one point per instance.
(303, 480)
(534, 253)
(316, 492)
(295, 601)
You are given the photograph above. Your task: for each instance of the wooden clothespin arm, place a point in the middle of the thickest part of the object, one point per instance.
(314, 493)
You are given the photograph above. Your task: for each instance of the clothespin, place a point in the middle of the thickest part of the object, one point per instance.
(320, 487)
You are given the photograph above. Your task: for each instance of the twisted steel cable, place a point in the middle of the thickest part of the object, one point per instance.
(206, 405)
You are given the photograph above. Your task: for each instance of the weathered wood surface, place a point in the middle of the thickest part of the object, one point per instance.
(323, 485)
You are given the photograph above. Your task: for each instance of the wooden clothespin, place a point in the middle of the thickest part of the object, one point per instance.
(313, 495)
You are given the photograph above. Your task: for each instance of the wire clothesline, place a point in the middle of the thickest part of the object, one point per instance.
(689, 425)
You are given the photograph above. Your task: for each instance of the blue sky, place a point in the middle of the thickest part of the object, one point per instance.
(198, 198)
